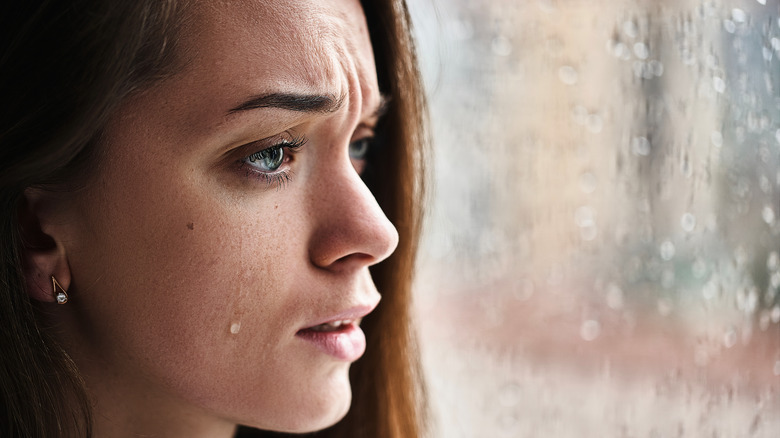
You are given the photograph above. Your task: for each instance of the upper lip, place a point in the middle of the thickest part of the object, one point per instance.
(353, 313)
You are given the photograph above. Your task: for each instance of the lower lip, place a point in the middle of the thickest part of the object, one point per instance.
(347, 344)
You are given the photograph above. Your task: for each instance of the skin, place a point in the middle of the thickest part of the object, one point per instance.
(177, 239)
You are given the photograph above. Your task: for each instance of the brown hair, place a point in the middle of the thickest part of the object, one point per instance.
(64, 67)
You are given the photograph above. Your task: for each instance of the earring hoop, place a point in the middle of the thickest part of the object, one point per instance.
(62, 295)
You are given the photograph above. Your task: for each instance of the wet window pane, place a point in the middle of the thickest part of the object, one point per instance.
(602, 252)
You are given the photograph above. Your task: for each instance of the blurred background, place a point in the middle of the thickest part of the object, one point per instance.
(602, 250)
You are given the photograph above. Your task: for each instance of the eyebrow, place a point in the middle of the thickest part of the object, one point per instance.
(305, 103)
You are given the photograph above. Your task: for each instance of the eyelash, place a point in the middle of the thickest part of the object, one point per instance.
(279, 178)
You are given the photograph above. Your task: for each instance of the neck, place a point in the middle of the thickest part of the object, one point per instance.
(122, 413)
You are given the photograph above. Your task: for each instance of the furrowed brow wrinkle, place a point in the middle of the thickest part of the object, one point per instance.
(293, 102)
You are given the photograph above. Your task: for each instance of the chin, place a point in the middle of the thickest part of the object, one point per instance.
(315, 410)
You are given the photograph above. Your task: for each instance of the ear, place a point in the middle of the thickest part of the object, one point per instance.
(43, 254)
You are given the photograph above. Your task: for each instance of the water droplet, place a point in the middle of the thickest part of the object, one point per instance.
(775, 43)
(641, 50)
(585, 216)
(738, 15)
(764, 183)
(718, 84)
(775, 314)
(568, 75)
(614, 297)
(629, 28)
(768, 214)
(589, 232)
(767, 53)
(657, 67)
(667, 250)
(501, 46)
(777, 135)
(699, 268)
(667, 278)
(588, 182)
(774, 280)
(235, 327)
(730, 338)
(717, 139)
(620, 51)
(688, 222)
(640, 146)
(595, 123)
(776, 368)
(590, 330)
(772, 261)
(729, 25)
(763, 2)
(580, 114)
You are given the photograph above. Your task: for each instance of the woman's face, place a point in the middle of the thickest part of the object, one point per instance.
(228, 220)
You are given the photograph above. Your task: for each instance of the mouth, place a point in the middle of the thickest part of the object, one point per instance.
(339, 336)
(332, 326)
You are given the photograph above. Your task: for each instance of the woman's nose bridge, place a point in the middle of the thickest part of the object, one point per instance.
(349, 221)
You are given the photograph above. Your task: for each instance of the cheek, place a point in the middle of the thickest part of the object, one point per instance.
(198, 293)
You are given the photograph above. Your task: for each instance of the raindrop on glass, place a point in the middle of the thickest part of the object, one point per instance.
(588, 182)
(718, 84)
(640, 146)
(772, 261)
(620, 51)
(775, 43)
(580, 114)
(729, 26)
(763, 2)
(775, 314)
(657, 67)
(235, 327)
(614, 297)
(594, 123)
(738, 15)
(767, 52)
(590, 330)
(717, 139)
(768, 214)
(501, 46)
(666, 250)
(629, 28)
(730, 338)
(589, 232)
(641, 50)
(568, 75)
(688, 222)
(699, 268)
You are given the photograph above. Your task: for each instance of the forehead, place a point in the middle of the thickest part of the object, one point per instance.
(301, 45)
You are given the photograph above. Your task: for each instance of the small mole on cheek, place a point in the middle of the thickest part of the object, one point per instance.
(190, 226)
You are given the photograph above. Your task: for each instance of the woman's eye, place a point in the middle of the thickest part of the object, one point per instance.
(268, 160)
(358, 149)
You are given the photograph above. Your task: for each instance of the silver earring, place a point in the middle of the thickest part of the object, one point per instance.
(60, 295)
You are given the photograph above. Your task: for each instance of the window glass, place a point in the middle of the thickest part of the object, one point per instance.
(602, 250)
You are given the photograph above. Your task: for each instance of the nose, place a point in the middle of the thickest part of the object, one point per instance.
(350, 229)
